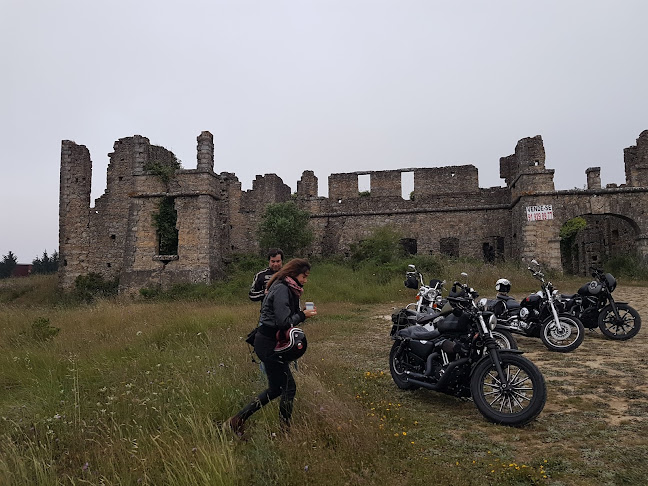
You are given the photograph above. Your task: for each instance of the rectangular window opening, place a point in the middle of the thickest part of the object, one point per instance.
(407, 185)
(364, 184)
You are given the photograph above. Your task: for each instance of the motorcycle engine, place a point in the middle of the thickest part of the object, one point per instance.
(519, 324)
(589, 318)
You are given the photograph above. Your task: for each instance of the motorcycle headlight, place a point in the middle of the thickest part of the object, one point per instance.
(482, 304)
(492, 321)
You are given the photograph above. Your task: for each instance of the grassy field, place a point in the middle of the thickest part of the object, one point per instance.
(132, 392)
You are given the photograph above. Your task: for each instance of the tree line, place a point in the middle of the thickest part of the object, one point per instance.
(43, 265)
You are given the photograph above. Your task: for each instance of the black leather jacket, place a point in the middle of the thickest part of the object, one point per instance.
(280, 309)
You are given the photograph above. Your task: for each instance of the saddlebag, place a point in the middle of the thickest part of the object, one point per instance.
(401, 319)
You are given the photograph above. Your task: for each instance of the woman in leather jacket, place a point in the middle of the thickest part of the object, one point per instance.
(280, 311)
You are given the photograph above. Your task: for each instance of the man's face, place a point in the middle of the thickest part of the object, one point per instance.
(275, 263)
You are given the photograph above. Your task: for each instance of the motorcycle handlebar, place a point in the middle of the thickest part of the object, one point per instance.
(458, 300)
(596, 271)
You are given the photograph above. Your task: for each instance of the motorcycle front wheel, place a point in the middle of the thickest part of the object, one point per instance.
(514, 399)
(565, 338)
(626, 327)
(397, 367)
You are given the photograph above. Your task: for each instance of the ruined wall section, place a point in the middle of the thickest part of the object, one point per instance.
(74, 213)
(109, 226)
(442, 196)
(205, 152)
(117, 211)
(636, 162)
(246, 210)
(336, 233)
(200, 199)
(593, 177)
(432, 182)
(343, 186)
(307, 186)
(386, 183)
(236, 220)
(541, 239)
(524, 171)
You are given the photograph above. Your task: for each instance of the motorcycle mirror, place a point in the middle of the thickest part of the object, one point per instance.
(412, 268)
(464, 274)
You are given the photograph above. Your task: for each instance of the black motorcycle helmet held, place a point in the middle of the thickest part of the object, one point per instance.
(291, 344)
(411, 282)
(503, 285)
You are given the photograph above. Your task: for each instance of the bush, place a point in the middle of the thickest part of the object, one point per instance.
(383, 246)
(285, 226)
(629, 266)
(41, 330)
(88, 287)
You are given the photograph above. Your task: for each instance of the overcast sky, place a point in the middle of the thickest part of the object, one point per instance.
(326, 85)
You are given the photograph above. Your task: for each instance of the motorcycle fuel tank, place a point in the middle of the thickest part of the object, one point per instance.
(590, 288)
(532, 301)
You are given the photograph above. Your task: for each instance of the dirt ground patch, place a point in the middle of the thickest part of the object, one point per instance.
(601, 372)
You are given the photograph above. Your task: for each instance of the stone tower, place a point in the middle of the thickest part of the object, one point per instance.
(74, 212)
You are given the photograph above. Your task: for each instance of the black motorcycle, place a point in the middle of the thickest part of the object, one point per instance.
(430, 306)
(595, 307)
(539, 315)
(460, 357)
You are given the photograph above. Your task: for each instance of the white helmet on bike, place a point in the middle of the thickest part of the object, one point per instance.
(503, 285)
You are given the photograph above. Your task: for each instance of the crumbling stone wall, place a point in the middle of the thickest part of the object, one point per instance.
(449, 213)
(636, 162)
(74, 212)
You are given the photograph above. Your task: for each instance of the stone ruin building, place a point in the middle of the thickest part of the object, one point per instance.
(448, 214)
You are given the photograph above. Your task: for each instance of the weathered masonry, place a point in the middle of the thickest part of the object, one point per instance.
(448, 212)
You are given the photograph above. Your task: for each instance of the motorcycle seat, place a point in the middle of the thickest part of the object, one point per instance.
(568, 296)
(418, 333)
(508, 301)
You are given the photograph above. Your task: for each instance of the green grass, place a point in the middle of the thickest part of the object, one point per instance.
(132, 392)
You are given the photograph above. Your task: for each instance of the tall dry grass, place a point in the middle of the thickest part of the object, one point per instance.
(133, 392)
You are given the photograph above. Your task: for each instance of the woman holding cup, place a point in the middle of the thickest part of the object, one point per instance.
(280, 311)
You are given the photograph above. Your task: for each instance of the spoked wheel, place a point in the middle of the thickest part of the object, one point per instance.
(565, 337)
(513, 399)
(504, 338)
(625, 327)
(397, 367)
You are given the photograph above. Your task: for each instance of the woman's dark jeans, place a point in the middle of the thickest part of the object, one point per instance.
(280, 382)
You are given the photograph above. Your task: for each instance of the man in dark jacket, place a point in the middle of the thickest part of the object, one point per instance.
(258, 288)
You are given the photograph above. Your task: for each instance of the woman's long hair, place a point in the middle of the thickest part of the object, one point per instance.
(294, 267)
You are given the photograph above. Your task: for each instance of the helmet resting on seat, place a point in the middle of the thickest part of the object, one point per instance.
(503, 285)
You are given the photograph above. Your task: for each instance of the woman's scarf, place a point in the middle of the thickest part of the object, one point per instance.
(294, 286)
